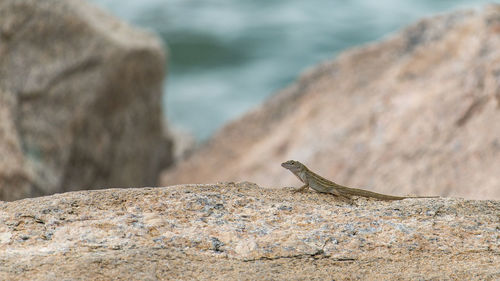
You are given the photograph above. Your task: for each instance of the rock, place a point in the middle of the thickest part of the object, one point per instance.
(15, 177)
(184, 143)
(417, 113)
(243, 232)
(80, 100)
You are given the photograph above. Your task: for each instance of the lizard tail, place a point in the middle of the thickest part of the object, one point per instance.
(370, 194)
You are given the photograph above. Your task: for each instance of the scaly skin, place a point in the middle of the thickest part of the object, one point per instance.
(320, 184)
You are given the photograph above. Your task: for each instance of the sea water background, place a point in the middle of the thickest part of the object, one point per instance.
(227, 56)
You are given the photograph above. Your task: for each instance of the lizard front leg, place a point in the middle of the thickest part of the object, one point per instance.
(302, 188)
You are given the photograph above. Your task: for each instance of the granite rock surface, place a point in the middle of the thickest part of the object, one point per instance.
(240, 231)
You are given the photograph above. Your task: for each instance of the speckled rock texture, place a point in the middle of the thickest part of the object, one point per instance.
(239, 231)
(417, 113)
(80, 100)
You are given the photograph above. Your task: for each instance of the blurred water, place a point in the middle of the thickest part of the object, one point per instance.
(227, 56)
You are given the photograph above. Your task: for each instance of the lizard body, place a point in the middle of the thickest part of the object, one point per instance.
(320, 184)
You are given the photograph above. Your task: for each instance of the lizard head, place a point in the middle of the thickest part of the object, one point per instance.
(293, 166)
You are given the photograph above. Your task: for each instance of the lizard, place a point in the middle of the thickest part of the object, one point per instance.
(320, 184)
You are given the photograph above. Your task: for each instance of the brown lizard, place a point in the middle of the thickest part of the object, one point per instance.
(320, 184)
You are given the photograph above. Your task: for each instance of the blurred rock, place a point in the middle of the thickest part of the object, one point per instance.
(184, 143)
(80, 100)
(15, 176)
(417, 113)
(243, 232)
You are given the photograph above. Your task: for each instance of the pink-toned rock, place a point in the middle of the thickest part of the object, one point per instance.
(80, 100)
(417, 113)
(243, 232)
